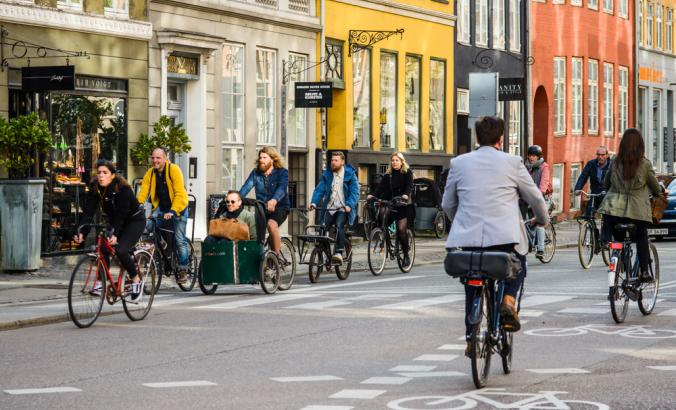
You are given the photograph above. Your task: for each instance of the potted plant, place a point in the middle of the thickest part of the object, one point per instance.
(22, 140)
(167, 135)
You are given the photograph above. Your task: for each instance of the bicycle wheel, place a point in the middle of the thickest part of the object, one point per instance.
(440, 224)
(145, 264)
(605, 253)
(189, 284)
(343, 271)
(287, 264)
(206, 288)
(316, 264)
(159, 268)
(647, 297)
(366, 221)
(84, 304)
(480, 349)
(377, 251)
(269, 273)
(619, 300)
(585, 244)
(507, 350)
(411, 253)
(550, 244)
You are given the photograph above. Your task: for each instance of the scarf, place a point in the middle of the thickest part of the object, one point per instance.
(535, 170)
(234, 215)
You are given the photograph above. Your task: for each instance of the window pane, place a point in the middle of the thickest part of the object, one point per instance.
(388, 100)
(655, 133)
(233, 93)
(296, 125)
(515, 127)
(482, 22)
(437, 104)
(499, 24)
(412, 121)
(265, 96)
(361, 83)
(232, 168)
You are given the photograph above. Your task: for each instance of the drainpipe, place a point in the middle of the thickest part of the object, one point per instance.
(635, 62)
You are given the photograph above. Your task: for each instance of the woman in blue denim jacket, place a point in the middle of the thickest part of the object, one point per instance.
(271, 181)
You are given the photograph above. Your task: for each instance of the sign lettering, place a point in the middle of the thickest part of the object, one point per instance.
(313, 94)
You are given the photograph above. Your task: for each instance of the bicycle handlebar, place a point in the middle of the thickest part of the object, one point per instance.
(588, 195)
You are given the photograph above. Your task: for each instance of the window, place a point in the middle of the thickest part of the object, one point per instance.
(658, 26)
(669, 43)
(233, 94)
(608, 119)
(266, 63)
(558, 1)
(233, 158)
(437, 104)
(576, 2)
(388, 100)
(296, 125)
(361, 98)
(75, 5)
(655, 134)
(463, 21)
(559, 95)
(333, 68)
(593, 97)
(639, 34)
(608, 6)
(412, 109)
(622, 98)
(623, 8)
(499, 24)
(593, 4)
(649, 25)
(116, 7)
(462, 97)
(515, 25)
(482, 23)
(576, 97)
(575, 200)
(557, 187)
(514, 128)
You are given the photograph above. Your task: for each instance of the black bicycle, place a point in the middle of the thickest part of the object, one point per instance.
(381, 243)
(623, 279)
(589, 241)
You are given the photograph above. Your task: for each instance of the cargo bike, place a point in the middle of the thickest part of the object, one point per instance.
(247, 262)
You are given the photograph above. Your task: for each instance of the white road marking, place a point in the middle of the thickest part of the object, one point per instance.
(319, 305)
(263, 300)
(323, 378)
(378, 296)
(387, 380)
(418, 303)
(189, 383)
(363, 394)
(538, 300)
(188, 299)
(531, 313)
(43, 391)
(436, 357)
(589, 310)
(321, 407)
(451, 347)
(559, 371)
(666, 368)
(670, 312)
(364, 282)
(407, 368)
(431, 374)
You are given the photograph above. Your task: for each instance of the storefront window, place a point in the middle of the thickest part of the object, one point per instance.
(232, 167)
(437, 104)
(515, 128)
(361, 83)
(233, 93)
(265, 95)
(296, 125)
(388, 100)
(412, 111)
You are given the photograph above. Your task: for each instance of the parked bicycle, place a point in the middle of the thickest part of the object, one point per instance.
(384, 242)
(623, 278)
(92, 282)
(589, 241)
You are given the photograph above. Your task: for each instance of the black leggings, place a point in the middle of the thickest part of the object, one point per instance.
(126, 240)
(402, 226)
(640, 236)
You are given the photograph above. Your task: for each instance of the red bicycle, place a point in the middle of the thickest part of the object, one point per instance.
(92, 282)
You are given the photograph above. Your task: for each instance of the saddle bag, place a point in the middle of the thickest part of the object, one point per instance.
(493, 264)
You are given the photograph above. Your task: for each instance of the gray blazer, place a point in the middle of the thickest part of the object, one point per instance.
(481, 200)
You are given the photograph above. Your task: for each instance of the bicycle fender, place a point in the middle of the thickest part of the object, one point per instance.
(475, 312)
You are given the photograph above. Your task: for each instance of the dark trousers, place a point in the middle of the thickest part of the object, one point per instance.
(640, 236)
(126, 240)
(511, 288)
(338, 219)
(606, 233)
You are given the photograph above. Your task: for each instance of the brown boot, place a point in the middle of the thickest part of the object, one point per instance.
(510, 319)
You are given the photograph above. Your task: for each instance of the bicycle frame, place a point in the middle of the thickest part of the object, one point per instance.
(101, 244)
(496, 294)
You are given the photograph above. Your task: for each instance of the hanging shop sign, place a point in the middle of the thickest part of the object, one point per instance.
(314, 94)
(48, 78)
(511, 89)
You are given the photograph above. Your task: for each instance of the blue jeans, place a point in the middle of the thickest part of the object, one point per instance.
(539, 238)
(338, 219)
(180, 222)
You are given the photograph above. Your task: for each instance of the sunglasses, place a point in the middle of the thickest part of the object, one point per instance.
(231, 202)
(600, 155)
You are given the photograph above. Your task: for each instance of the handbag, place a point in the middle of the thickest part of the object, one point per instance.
(657, 206)
(493, 264)
(229, 228)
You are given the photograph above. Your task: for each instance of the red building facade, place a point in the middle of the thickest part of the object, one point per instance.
(582, 84)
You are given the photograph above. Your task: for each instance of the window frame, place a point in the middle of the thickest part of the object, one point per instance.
(559, 99)
(608, 100)
(515, 26)
(576, 96)
(575, 200)
(481, 23)
(443, 102)
(236, 183)
(272, 99)
(369, 123)
(593, 4)
(464, 20)
(393, 137)
(609, 10)
(639, 34)
(658, 26)
(649, 25)
(622, 99)
(111, 11)
(498, 11)
(593, 97)
(623, 8)
(418, 147)
(291, 98)
(669, 31)
(557, 190)
(71, 5)
(515, 127)
(242, 95)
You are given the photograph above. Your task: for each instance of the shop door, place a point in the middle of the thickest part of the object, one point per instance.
(176, 111)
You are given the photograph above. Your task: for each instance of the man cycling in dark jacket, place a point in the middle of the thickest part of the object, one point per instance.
(594, 172)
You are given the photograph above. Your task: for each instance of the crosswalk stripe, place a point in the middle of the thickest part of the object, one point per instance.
(589, 310)
(43, 391)
(537, 300)
(436, 357)
(357, 394)
(558, 371)
(418, 303)
(319, 305)
(670, 312)
(263, 300)
(190, 383)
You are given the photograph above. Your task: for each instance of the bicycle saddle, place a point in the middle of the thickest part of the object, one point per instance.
(630, 228)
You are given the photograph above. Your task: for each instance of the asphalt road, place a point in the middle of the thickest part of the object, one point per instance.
(388, 342)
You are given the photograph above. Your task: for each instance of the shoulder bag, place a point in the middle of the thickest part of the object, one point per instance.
(228, 228)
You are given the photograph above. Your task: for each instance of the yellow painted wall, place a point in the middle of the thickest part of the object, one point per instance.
(666, 5)
(422, 38)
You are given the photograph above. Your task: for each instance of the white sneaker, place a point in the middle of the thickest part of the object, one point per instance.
(96, 290)
(136, 292)
(337, 258)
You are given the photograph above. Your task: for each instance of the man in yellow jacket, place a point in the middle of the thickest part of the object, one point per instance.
(164, 184)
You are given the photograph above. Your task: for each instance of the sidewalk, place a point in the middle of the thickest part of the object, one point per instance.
(21, 293)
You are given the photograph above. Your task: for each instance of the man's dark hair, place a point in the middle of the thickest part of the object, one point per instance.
(338, 154)
(489, 130)
(232, 191)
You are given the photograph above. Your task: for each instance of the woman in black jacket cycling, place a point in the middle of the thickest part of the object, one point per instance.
(398, 182)
(111, 196)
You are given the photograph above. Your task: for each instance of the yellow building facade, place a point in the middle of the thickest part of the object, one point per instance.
(393, 89)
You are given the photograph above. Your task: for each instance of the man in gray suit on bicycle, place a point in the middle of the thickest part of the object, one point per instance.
(481, 200)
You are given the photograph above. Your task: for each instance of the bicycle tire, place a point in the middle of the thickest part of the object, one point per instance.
(207, 289)
(159, 268)
(146, 268)
(192, 271)
(366, 221)
(343, 274)
(411, 253)
(287, 264)
(585, 244)
(316, 264)
(647, 304)
(377, 251)
(605, 253)
(269, 273)
(550, 244)
(507, 350)
(440, 224)
(619, 300)
(480, 349)
(83, 306)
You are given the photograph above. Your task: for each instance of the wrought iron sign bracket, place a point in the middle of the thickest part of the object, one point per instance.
(484, 59)
(361, 39)
(20, 49)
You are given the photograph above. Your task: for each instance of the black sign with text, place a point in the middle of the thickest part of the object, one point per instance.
(511, 89)
(314, 94)
(48, 78)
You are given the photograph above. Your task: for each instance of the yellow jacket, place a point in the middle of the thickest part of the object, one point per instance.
(177, 192)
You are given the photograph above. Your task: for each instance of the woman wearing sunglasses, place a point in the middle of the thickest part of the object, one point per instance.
(231, 208)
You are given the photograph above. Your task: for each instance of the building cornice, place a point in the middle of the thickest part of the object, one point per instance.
(81, 22)
(405, 10)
